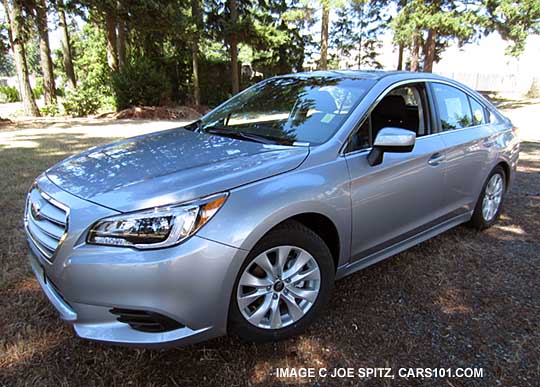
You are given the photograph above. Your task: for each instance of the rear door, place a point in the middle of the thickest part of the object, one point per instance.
(405, 194)
(463, 127)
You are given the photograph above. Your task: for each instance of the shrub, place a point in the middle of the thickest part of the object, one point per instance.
(82, 101)
(9, 94)
(50, 110)
(140, 83)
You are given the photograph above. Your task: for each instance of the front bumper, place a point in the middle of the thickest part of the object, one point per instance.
(190, 283)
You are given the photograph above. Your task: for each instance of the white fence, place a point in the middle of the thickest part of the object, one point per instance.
(505, 83)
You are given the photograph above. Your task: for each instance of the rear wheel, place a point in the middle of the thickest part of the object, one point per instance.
(489, 205)
(283, 285)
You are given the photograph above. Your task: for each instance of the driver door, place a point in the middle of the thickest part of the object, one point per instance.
(404, 194)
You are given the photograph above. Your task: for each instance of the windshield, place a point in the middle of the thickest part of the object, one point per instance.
(289, 109)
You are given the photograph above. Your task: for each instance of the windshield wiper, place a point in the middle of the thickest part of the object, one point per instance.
(194, 126)
(238, 134)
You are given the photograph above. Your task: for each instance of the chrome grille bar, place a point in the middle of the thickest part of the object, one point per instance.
(45, 222)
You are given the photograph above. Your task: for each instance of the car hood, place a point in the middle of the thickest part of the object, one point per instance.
(169, 167)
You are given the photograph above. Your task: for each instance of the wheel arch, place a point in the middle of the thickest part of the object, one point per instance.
(506, 168)
(317, 220)
(324, 227)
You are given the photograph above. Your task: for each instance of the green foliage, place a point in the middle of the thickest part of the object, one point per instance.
(37, 90)
(7, 67)
(94, 90)
(514, 20)
(60, 92)
(52, 110)
(90, 53)
(449, 20)
(358, 27)
(273, 36)
(215, 88)
(81, 102)
(140, 83)
(9, 94)
(277, 44)
(32, 56)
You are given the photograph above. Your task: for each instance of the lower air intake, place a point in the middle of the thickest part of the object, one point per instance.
(145, 321)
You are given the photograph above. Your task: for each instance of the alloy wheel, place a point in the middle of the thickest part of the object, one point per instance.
(278, 287)
(492, 197)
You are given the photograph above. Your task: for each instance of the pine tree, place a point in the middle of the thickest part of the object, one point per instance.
(429, 26)
(358, 28)
(514, 20)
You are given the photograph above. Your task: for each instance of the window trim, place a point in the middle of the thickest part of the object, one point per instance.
(434, 114)
(469, 95)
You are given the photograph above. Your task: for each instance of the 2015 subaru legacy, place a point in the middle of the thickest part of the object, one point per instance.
(241, 222)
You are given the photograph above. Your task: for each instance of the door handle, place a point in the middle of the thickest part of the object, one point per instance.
(488, 142)
(436, 159)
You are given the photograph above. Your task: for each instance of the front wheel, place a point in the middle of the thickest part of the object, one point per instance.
(489, 205)
(283, 285)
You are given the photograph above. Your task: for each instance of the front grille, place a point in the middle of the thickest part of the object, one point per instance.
(45, 221)
(144, 321)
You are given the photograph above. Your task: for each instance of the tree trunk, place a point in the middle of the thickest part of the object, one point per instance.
(13, 14)
(415, 54)
(121, 41)
(429, 58)
(66, 46)
(360, 42)
(400, 57)
(324, 35)
(360, 35)
(233, 43)
(196, 14)
(112, 52)
(49, 87)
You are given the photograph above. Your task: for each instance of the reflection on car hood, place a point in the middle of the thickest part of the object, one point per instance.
(169, 167)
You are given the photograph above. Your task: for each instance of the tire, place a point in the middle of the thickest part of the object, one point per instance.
(298, 244)
(481, 218)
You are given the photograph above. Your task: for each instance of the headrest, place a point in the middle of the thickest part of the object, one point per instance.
(392, 106)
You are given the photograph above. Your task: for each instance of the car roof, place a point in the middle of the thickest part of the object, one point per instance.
(364, 74)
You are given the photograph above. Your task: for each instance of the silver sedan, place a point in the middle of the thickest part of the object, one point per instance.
(241, 222)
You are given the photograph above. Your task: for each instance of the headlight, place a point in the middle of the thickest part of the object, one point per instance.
(159, 227)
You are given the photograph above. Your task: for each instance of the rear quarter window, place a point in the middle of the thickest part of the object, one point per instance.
(478, 112)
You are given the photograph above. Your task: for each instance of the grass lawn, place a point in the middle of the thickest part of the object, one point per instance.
(463, 299)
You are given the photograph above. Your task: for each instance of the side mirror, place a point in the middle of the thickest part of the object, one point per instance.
(395, 140)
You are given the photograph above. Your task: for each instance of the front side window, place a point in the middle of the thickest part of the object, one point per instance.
(290, 109)
(453, 106)
(403, 107)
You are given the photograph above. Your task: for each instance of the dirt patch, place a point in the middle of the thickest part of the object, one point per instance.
(154, 113)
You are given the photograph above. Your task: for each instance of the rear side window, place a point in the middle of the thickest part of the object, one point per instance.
(453, 106)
